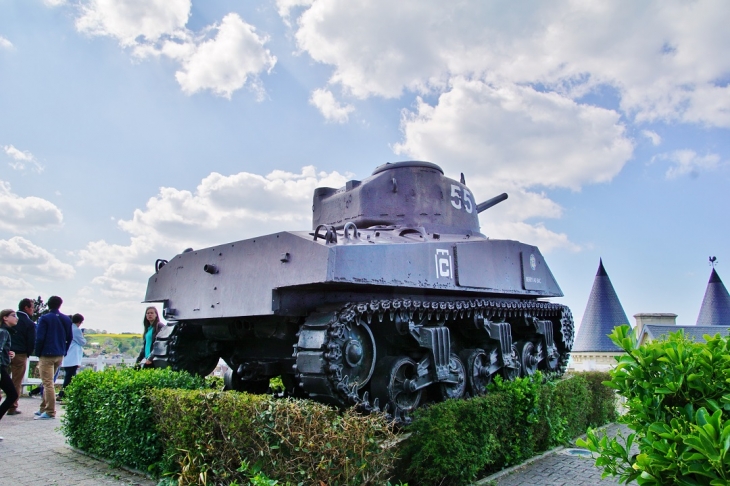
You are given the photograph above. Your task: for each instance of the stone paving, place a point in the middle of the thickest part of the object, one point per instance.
(34, 452)
(562, 467)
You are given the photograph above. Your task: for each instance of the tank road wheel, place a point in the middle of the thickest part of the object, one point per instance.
(393, 381)
(454, 390)
(183, 347)
(357, 347)
(529, 356)
(478, 363)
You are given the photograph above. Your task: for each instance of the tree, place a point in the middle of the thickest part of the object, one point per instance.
(678, 405)
(40, 308)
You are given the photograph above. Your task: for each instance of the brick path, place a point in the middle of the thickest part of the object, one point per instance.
(562, 467)
(34, 453)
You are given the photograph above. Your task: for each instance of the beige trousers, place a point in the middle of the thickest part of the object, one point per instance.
(17, 371)
(48, 366)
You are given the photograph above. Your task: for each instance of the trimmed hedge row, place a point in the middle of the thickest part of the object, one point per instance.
(456, 441)
(109, 414)
(209, 435)
(167, 423)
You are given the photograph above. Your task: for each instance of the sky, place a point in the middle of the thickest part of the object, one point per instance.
(133, 129)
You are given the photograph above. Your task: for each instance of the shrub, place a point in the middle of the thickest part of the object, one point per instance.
(677, 401)
(109, 414)
(209, 436)
(453, 442)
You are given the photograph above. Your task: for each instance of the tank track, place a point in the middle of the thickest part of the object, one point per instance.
(326, 381)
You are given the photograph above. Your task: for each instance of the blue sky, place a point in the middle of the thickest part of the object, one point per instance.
(131, 129)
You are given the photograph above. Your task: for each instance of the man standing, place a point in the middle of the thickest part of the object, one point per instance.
(23, 340)
(53, 338)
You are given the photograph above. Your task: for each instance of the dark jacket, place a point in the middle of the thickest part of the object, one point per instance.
(4, 347)
(54, 334)
(23, 334)
(158, 327)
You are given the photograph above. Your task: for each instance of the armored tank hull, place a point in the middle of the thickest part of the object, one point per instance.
(393, 299)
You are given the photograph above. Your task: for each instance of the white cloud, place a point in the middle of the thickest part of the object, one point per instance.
(133, 21)
(653, 136)
(123, 281)
(331, 109)
(22, 159)
(26, 214)
(688, 162)
(665, 59)
(517, 135)
(229, 60)
(225, 63)
(54, 3)
(222, 208)
(5, 44)
(20, 257)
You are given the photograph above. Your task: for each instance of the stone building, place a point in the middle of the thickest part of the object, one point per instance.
(714, 317)
(593, 350)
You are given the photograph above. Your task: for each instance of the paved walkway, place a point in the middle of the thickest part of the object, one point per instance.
(562, 467)
(34, 452)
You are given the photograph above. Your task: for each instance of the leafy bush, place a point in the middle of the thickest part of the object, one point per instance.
(211, 436)
(677, 401)
(453, 442)
(109, 414)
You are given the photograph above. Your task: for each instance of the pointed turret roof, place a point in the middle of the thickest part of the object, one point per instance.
(603, 313)
(715, 310)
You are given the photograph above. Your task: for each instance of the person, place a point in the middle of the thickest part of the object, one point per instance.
(8, 320)
(53, 338)
(23, 340)
(72, 361)
(152, 326)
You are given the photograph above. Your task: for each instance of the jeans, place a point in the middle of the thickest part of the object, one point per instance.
(6, 384)
(48, 365)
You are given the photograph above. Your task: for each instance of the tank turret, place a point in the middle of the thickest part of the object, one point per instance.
(395, 298)
(406, 194)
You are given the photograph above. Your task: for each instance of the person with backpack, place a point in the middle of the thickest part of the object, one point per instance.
(53, 338)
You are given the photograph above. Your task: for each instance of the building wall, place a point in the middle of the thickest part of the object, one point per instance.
(593, 361)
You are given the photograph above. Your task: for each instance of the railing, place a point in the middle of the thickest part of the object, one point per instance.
(98, 363)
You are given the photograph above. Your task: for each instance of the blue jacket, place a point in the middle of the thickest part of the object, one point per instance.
(53, 335)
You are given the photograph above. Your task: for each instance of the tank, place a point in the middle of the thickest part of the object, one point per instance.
(393, 299)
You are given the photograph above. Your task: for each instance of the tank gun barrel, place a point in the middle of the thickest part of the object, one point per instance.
(491, 202)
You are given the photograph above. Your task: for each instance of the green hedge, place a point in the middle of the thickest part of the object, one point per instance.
(454, 442)
(199, 436)
(109, 414)
(209, 435)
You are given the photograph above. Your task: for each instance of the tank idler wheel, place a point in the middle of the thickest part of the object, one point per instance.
(183, 347)
(454, 390)
(529, 356)
(393, 383)
(231, 381)
(478, 363)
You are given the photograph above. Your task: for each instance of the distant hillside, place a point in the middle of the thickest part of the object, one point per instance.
(125, 345)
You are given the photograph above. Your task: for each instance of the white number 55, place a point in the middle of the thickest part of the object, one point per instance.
(456, 198)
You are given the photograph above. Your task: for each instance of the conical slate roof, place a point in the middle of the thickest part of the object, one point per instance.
(715, 310)
(603, 313)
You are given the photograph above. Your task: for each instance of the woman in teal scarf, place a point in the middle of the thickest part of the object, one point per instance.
(152, 326)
